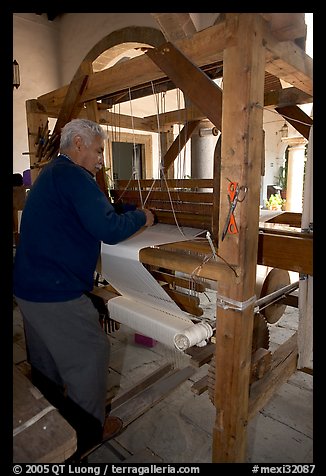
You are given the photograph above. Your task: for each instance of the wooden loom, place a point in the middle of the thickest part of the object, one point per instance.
(249, 46)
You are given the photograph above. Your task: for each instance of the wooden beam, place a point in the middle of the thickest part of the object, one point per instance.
(140, 403)
(142, 385)
(285, 252)
(286, 26)
(240, 162)
(71, 104)
(297, 118)
(175, 26)
(190, 264)
(186, 184)
(178, 144)
(204, 48)
(284, 363)
(173, 62)
(286, 97)
(289, 62)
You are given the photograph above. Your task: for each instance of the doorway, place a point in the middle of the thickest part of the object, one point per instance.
(127, 160)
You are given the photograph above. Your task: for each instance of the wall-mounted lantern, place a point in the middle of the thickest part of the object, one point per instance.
(284, 130)
(16, 74)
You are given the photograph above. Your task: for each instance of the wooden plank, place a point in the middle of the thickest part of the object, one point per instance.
(139, 404)
(50, 439)
(198, 246)
(288, 218)
(286, 252)
(289, 62)
(142, 385)
(297, 118)
(286, 97)
(124, 121)
(200, 386)
(70, 109)
(178, 196)
(71, 104)
(284, 362)
(184, 219)
(186, 184)
(201, 355)
(193, 265)
(281, 229)
(293, 253)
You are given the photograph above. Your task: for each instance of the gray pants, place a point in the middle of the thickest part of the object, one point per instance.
(67, 344)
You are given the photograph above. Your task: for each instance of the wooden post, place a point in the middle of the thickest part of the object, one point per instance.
(242, 121)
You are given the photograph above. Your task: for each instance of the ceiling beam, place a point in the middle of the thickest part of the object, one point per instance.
(175, 26)
(205, 47)
(181, 70)
(284, 60)
(297, 118)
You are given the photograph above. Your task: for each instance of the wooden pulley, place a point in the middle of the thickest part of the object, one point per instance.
(269, 280)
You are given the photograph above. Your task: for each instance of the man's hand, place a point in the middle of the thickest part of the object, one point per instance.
(149, 217)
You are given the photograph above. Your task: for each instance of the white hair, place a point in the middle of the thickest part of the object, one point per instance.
(84, 128)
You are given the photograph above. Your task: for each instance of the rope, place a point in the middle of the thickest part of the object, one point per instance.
(134, 169)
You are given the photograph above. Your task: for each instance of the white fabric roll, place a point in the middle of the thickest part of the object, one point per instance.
(144, 305)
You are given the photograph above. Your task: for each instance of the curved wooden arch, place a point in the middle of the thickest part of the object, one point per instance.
(72, 103)
(131, 34)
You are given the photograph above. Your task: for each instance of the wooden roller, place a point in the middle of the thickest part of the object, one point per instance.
(269, 280)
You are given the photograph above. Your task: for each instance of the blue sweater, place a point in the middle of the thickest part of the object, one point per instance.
(65, 218)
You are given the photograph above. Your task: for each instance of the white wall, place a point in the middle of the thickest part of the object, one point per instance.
(35, 41)
(50, 52)
(81, 31)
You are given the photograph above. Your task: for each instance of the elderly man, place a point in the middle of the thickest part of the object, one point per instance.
(65, 218)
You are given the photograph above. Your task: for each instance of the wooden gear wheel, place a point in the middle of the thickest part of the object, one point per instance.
(261, 356)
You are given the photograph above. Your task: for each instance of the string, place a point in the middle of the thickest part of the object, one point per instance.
(134, 169)
(162, 173)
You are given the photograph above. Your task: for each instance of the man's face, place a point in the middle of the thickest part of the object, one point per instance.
(91, 157)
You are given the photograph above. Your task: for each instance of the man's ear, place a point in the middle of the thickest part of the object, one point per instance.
(78, 142)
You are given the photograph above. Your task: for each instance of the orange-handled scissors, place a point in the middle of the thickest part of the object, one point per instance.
(233, 196)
